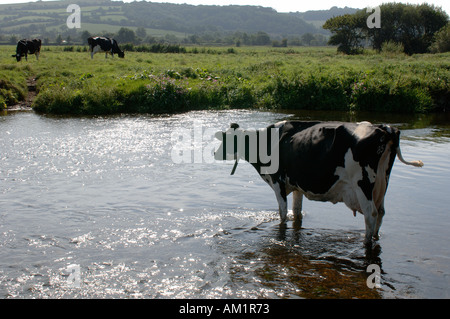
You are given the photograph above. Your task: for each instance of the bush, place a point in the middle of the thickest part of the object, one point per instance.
(381, 96)
(324, 93)
(58, 100)
(154, 48)
(392, 48)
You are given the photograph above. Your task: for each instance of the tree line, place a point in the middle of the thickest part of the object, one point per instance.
(410, 28)
(141, 37)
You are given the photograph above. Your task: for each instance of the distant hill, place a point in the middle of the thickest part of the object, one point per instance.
(318, 17)
(47, 19)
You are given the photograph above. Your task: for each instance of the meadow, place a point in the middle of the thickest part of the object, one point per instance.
(69, 82)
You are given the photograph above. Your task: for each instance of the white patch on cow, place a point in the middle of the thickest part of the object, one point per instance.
(389, 129)
(346, 188)
(280, 124)
(363, 129)
(371, 173)
(95, 50)
(282, 202)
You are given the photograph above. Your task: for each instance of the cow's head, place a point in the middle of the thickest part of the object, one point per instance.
(229, 138)
(17, 56)
(254, 146)
(121, 54)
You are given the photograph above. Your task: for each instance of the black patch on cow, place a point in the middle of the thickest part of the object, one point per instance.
(310, 153)
(366, 185)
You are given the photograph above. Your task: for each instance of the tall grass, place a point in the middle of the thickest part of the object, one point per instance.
(304, 78)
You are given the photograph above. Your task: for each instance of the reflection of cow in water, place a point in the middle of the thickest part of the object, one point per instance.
(323, 161)
(104, 44)
(25, 47)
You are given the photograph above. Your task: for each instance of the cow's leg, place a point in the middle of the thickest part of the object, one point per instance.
(370, 220)
(37, 56)
(26, 57)
(280, 193)
(379, 220)
(297, 201)
(370, 215)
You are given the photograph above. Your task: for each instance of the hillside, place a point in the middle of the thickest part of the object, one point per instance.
(47, 19)
(318, 17)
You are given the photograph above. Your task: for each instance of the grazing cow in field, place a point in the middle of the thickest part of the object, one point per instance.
(324, 161)
(103, 44)
(25, 47)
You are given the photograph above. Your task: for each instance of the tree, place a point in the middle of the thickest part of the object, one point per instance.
(126, 35)
(411, 25)
(13, 39)
(433, 20)
(261, 38)
(141, 32)
(347, 32)
(307, 38)
(442, 40)
(84, 36)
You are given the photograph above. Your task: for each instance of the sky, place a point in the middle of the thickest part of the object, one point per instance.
(288, 5)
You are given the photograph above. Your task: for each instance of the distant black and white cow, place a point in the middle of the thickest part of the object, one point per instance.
(25, 47)
(104, 44)
(324, 161)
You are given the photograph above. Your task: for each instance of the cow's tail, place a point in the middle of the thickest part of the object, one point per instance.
(413, 163)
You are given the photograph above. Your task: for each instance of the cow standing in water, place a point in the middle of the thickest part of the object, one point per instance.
(104, 44)
(25, 47)
(324, 161)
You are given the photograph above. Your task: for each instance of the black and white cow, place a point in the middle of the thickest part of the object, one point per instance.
(104, 44)
(324, 161)
(25, 47)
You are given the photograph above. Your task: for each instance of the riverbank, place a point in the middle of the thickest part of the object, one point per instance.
(69, 82)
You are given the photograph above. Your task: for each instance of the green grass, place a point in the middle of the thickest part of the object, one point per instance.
(220, 78)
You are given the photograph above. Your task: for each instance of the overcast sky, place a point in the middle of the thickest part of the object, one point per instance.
(289, 5)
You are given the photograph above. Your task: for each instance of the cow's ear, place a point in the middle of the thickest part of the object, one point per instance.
(234, 125)
(219, 135)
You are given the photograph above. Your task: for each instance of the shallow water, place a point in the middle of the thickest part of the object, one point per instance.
(105, 195)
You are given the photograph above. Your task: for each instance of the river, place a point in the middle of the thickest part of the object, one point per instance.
(102, 207)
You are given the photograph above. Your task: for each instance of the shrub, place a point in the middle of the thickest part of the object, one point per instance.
(310, 93)
(392, 48)
(390, 96)
(57, 99)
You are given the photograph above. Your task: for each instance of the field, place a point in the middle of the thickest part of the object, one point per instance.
(69, 82)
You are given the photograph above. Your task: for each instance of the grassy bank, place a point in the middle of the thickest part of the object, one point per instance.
(69, 82)
(13, 88)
